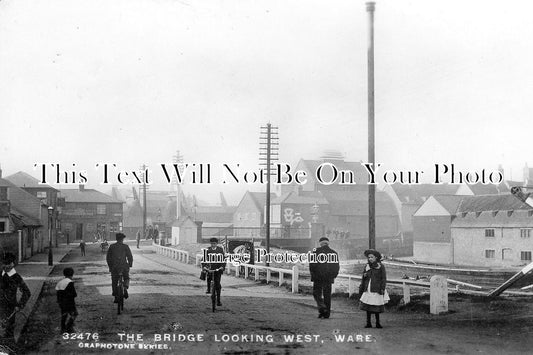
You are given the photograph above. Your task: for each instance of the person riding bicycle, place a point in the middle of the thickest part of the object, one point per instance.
(119, 259)
(214, 261)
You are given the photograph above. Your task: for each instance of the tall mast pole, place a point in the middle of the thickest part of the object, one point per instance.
(370, 7)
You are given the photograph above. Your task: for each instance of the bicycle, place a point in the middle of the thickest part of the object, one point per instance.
(120, 293)
(212, 287)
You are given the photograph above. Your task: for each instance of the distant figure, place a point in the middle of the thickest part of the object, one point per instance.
(104, 245)
(323, 274)
(156, 234)
(372, 288)
(82, 248)
(10, 283)
(66, 293)
(138, 237)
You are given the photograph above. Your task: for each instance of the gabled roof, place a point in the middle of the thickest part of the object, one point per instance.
(22, 200)
(485, 189)
(457, 205)
(87, 196)
(419, 193)
(449, 202)
(488, 219)
(258, 198)
(302, 197)
(506, 202)
(22, 179)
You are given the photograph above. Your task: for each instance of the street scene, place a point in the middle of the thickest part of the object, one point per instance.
(266, 177)
(168, 299)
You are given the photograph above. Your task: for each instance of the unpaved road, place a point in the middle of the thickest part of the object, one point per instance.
(168, 299)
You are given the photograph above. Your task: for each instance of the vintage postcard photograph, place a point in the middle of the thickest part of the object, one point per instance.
(266, 177)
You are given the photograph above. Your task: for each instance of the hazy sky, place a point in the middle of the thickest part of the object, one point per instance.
(130, 82)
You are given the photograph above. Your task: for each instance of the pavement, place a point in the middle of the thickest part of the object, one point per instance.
(35, 271)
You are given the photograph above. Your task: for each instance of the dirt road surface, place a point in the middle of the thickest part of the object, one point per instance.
(168, 312)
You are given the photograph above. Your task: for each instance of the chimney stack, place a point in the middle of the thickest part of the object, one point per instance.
(82, 187)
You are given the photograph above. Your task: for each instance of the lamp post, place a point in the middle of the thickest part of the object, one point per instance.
(50, 256)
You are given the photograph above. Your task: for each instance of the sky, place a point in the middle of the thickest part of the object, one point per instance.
(132, 82)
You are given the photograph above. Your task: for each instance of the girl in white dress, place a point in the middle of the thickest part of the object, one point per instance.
(372, 288)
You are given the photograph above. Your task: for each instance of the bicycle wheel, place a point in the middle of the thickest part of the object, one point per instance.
(213, 295)
(120, 295)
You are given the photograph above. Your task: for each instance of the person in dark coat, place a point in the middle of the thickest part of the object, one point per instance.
(214, 252)
(119, 259)
(82, 248)
(10, 283)
(324, 270)
(372, 288)
(66, 293)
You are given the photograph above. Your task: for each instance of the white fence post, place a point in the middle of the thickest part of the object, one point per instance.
(438, 294)
(406, 293)
(269, 275)
(280, 277)
(295, 279)
(351, 287)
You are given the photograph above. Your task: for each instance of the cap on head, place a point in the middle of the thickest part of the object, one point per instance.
(120, 236)
(9, 258)
(323, 239)
(213, 240)
(68, 272)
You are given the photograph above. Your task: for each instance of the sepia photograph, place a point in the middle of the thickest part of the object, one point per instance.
(266, 177)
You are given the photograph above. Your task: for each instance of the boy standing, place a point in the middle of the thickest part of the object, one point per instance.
(10, 282)
(65, 297)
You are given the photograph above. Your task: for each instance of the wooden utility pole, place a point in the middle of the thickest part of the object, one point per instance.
(370, 7)
(144, 200)
(268, 150)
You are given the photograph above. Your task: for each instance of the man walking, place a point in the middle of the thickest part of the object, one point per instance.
(324, 268)
(119, 260)
(138, 237)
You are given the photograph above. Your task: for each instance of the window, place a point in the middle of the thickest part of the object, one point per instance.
(41, 194)
(490, 254)
(525, 255)
(2, 227)
(525, 233)
(100, 209)
(489, 232)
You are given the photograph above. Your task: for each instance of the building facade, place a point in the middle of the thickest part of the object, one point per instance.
(90, 214)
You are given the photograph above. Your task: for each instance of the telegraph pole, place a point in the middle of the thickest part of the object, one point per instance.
(144, 200)
(268, 150)
(370, 8)
(178, 159)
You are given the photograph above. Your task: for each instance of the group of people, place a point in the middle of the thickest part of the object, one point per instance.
(372, 290)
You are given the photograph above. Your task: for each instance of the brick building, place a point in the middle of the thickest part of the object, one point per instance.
(89, 213)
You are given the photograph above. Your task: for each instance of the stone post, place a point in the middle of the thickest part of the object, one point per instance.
(438, 298)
